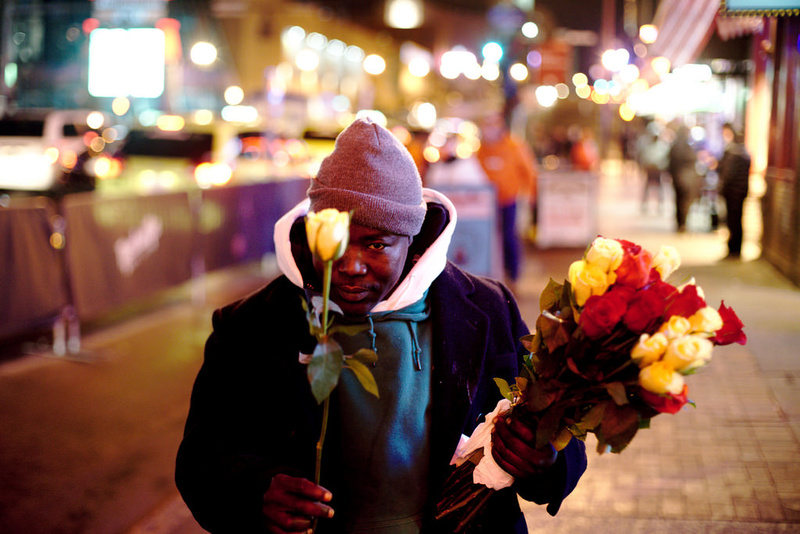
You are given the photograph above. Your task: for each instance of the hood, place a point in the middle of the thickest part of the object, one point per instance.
(411, 288)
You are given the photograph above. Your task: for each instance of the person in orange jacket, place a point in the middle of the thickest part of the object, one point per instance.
(510, 165)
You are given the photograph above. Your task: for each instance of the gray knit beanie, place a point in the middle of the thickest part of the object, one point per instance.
(371, 173)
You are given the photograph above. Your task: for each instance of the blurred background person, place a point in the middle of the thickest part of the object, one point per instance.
(653, 155)
(734, 180)
(416, 146)
(685, 179)
(584, 154)
(510, 165)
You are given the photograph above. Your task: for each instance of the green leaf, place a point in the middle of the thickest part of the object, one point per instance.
(593, 417)
(522, 382)
(554, 332)
(325, 368)
(505, 389)
(617, 392)
(527, 342)
(348, 329)
(549, 425)
(364, 376)
(550, 296)
(365, 356)
(538, 398)
(619, 426)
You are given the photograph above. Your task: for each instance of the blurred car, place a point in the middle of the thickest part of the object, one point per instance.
(320, 145)
(49, 151)
(266, 156)
(152, 160)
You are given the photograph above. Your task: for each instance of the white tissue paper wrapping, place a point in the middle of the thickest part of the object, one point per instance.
(487, 472)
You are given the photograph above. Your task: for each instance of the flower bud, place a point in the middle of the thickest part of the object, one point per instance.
(661, 378)
(688, 353)
(649, 349)
(586, 280)
(666, 261)
(706, 320)
(328, 232)
(605, 254)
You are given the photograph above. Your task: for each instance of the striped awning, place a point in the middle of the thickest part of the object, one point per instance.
(684, 28)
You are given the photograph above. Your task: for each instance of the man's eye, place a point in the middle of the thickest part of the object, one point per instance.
(377, 246)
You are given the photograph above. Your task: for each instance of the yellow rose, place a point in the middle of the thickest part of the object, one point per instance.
(605, 254)
(328, 232)
(688, 353)
(706, 320)
(660, 377)
(649, 349)
(586, 280)
(676, 326)
(666, 261)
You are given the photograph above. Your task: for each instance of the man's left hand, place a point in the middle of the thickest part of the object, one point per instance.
(513, 448)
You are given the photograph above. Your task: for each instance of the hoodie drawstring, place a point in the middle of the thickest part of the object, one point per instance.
(415, 349)
(372, 336)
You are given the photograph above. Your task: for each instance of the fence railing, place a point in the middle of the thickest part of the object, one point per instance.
(85, 255)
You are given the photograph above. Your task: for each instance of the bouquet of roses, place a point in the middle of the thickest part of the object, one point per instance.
(611, 348)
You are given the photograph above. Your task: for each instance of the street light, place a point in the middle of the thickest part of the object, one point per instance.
(203, 53)
(403, 14)
(374, 64)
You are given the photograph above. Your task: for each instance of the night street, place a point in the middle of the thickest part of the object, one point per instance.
(89, 446)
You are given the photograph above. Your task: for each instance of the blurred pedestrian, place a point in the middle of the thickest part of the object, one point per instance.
(584, 154)
(734, 181)
(510, 165)
(653, 155)
(416, 147)
(685, 179)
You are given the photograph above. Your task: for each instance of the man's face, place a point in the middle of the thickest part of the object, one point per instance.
(369, 270)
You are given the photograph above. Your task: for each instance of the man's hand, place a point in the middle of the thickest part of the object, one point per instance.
(513, 448)
(291, 504)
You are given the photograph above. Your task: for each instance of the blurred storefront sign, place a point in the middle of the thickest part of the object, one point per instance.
(475, 245)
(771, 8)
(567, 214)
(129, 12)
(557, 63)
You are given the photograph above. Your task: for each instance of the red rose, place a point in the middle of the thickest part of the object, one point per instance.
(629, 247)
(686, 303)
(602, 313)
(634, 271)
(666, 291)
(666, 403)
(645, 311)
(731, 331)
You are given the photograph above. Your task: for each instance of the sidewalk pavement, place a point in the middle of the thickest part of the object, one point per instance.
(730, 465)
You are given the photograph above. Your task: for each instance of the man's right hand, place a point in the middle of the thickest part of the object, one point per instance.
(291, 504)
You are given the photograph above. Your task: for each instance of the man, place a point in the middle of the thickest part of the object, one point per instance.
(247, 459)
(734, 180)
(511, 167)
(653, 156)
(682, 166)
